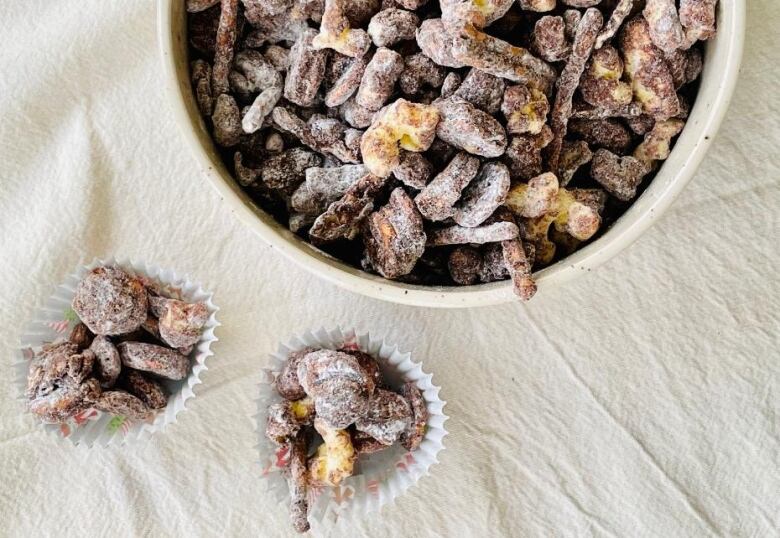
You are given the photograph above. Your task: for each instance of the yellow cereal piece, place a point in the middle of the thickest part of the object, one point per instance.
(335, 458)
(404, 125)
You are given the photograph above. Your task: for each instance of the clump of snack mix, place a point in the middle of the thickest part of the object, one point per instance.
(336, 403)
(438, 143)
(130, 341)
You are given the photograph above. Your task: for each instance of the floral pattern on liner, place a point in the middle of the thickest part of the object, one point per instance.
(55, 319)
(380, 477)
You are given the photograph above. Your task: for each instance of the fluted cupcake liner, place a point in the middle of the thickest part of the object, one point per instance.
(379, 477)
(55, 319)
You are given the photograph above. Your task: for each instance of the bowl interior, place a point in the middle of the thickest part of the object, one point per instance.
(721, 65)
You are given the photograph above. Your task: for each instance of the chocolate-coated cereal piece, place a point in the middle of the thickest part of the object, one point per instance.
(322, 134)
(279, 57)
(368, 363)
(387, 417)
(436, 43)
(226, 119)
(58, 404)
(437, 200)
(571, 19)
(180, 323)
(584, 40)
(492, 55)
(397, 239)
(413, 170)
(451, 84)
(347, 83)
(493, 266)
(263, 78)
(123, 404)
(287, 383)
(601, 86)
(306, 71)
(286, 418)
(483, 90)
(202, 30)
(110, 301)
(524, 153)
(201, 82)
(107, 362)
(412, 437)
(340, 388)
(357, 116)
(224, 46)
(297, 482)
(146, 389)
(343, 217)
(469, 128)
(460, 235)
(464, 264)
(401, 125)
(519, 268)
(154, 359)
(539, 6)
(525, 110)
(365, 444)
(336, 32)
(657, 143)
(483, 195)
(549, 39)
(619, 14)
(685, 67)
(620, 176)
(420, 71)
(574, 154)
(379, 78)
(391, 26)
(648, 72)
(323, 186)
(609, 134)
(81, 336)
(698, 18)
(664, 24)
(535, 198)
(581, 3)
(287, 170)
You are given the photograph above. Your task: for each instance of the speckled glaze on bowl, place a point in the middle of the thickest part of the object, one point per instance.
(723, 56)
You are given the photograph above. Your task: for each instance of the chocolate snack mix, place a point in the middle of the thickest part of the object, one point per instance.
(389, 134)
(130, 339)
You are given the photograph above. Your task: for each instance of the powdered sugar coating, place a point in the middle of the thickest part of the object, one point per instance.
(109, 301)
(107, 363)
(397, 239)
(484, 194)
(154, 359)
(468, 128)
(123, 404)
(437, 200)
(387, 417)
(338, 385)
(460, 235)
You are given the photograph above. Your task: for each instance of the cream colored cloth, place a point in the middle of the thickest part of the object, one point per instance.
(641, 400)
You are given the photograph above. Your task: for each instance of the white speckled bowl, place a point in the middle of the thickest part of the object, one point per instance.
(721, 68)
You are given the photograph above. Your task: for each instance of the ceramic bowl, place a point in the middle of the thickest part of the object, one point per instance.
(721, 67)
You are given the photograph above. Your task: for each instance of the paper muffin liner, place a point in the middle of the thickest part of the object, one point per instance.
(379, 477)
(55, 319)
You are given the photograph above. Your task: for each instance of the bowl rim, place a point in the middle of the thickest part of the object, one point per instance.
(723, 57)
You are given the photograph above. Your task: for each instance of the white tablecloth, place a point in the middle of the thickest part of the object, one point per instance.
(641, 400)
